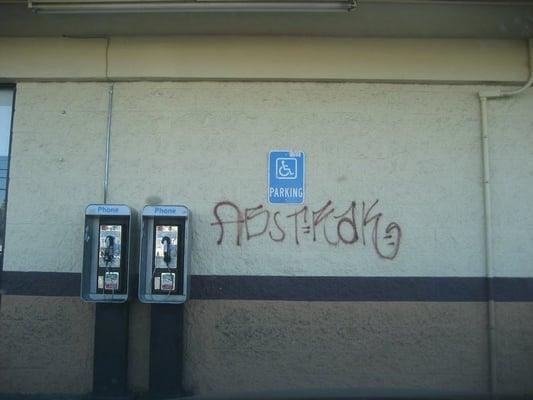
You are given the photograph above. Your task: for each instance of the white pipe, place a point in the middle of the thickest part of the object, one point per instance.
(484, 96)
(499, 93)
(489, 268)
(108, 142)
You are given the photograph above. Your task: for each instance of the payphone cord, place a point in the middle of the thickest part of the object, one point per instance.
(167, 258)
(152, 282)
(108, 271)
(154, 269)
(109, 254)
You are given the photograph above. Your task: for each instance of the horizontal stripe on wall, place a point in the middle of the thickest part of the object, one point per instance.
(312, 288)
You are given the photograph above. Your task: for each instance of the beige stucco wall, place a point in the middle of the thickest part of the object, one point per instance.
(261, 57)
(415, 148)
(511, 148)
(56, 164)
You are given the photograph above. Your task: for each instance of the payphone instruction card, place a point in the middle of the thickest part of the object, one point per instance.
(111, 281)
(168, 281)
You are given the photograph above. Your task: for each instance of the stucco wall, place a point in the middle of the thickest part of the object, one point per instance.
(235, 346)
(57, 164)
(46, 345)
(415, 148)
(262, 57)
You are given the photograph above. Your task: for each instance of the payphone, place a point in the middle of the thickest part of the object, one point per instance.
(164, 257)
(106, 254)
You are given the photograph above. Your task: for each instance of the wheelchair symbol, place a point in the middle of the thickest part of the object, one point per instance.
(286, 168)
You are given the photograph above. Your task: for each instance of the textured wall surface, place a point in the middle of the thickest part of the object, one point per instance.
(57, 165)
(201, 143)
(46, 345)
(249, 346)
(514, 348)
(511, 138)
(415, 148)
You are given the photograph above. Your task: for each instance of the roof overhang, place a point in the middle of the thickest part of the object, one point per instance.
(371, 18)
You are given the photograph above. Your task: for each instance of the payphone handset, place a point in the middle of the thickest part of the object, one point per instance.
(165, 258)
(105, 272)
(110, 273)
(167, 250)
(164, 254)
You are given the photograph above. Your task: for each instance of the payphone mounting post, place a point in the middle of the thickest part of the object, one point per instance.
(106, 254)
(165, 254)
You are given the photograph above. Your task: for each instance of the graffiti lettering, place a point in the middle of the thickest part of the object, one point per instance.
(239, 220)
(345, 228)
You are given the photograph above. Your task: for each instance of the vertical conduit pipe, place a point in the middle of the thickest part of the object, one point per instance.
(484, 96)
(108, 142)
(491, 321)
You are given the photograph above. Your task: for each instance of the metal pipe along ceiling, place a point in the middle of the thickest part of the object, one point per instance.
(95, 7)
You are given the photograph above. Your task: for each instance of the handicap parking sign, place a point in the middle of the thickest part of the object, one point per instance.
(286, 177)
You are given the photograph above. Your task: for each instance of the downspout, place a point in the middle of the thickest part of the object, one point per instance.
(484, 96)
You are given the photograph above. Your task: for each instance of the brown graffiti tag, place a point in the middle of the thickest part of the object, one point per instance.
(347, 228)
